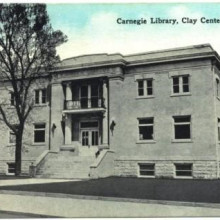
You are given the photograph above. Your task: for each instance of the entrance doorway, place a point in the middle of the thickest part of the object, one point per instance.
(89, 133)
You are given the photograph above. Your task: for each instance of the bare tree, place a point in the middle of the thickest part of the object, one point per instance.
(27, 50)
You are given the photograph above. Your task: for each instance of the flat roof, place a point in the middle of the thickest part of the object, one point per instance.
(104, 59)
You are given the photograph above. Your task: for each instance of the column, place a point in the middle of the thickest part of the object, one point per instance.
(68, 129)
(57, 101)
(105, 129)
(68, 92)
(89, 96)
(69, 103)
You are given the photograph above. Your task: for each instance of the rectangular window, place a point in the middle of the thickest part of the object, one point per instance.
(145, 87)
(182, 126)
(11, 168)
(89, 124)
(184, 170)
(146, 128)
(37, 96)
(39, 133)
(141, 88)
(43, 96)
(176, 85)
(217, 87)
(12, 137)
(180, 84)
(219, 129)
(149, 86)
(146, 169)
(40, 96)
(12, 98)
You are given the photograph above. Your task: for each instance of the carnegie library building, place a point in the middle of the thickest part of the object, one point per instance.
(152, 115)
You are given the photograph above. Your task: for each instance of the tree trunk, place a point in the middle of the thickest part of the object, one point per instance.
(18, 154)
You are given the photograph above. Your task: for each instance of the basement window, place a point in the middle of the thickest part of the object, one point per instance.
(146, 169)
(11, 168)
(184, 170)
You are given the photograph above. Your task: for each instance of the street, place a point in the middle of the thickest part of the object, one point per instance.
(69, 207)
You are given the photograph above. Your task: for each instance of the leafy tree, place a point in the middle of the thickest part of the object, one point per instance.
(27, 50)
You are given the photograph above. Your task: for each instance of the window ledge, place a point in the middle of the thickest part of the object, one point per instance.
(183, 177)
(10, 174)
(40, 105)
(145, 97)
(39, 144)
(180, 94)
(150, 177)
(145, 142)
(182, 141)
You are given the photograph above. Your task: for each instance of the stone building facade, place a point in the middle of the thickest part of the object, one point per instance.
(154, 115)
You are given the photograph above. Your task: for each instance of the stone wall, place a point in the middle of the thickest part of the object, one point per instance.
(166, 169)
(30, 150)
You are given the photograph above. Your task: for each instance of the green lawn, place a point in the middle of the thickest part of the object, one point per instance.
(138, 188)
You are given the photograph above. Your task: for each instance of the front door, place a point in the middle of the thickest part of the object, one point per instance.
(90, 137)
(89, 133)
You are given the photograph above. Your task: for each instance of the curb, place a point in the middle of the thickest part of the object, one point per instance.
(114, 199)
(29, 215)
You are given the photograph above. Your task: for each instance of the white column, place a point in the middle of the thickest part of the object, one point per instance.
(68, 129)
(105, 129)
(89, 96)
(68, 92)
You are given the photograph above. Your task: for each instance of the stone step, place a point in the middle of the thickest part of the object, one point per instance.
(65, 165)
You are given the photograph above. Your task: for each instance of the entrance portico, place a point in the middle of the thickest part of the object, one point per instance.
(86, 115)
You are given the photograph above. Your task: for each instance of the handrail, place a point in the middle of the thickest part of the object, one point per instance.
(101, 156)
(35, 165)
(84, 103)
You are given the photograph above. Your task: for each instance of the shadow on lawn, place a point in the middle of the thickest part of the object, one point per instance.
(125, 187)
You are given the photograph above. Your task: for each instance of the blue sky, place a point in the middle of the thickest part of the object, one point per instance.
(92, 28)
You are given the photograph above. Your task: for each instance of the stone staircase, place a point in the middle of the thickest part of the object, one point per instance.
(65, 164)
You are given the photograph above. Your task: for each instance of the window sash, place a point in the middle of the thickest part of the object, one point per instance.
(39, 133)
(219, 129)
(184, 169)
(141, 88)
(12, 137)
(149, 87)
(145, 87)
(40, 96)
(146, 128)
(147, 169)
(11, 168)
(182, 127)
(43, 96)
(12, 99)
(181, 84)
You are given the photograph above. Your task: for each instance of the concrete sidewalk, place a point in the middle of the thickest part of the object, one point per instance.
(67, 205)
(82, 207)
(13, 182)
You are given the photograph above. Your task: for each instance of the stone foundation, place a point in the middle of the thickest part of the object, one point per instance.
(166, 169)
(24, 169)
